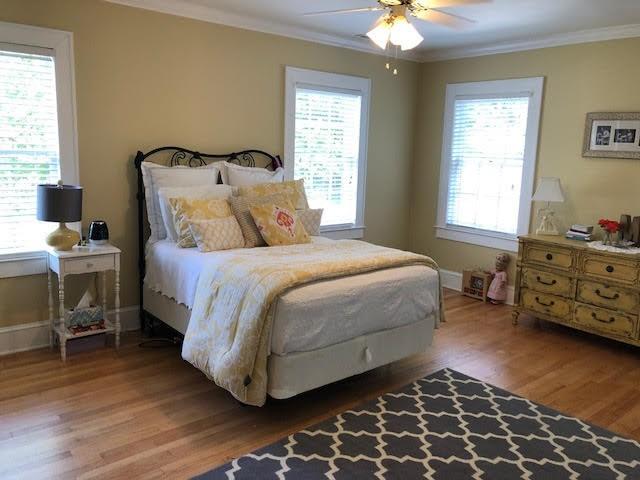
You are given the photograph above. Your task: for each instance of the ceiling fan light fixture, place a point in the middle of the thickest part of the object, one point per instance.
(403, 34)
(381, 32)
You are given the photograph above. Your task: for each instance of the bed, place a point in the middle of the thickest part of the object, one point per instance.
(322, 331)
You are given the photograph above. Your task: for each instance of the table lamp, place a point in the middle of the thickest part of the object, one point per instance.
(60, 203)
(549, 190)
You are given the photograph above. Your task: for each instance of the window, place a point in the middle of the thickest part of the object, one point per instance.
(488, 161)
(37, 137)
(326, 123)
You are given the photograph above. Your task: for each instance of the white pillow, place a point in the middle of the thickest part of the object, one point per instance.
(238, 176)
(206, 191)
(157, 176)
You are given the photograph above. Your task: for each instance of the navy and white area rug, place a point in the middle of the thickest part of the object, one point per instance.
(445, 426)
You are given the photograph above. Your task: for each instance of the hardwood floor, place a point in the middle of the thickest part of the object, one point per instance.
(145, 413)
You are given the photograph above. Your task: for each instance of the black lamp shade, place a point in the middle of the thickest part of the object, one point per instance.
(59, 203)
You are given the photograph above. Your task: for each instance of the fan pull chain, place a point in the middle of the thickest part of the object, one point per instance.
(391, 65)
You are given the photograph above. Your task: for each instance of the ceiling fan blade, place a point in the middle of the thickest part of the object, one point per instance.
(349, 10)
(448, 3)
(443, 18)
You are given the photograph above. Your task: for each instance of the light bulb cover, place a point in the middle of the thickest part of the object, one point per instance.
(403, 34)
(380, 33)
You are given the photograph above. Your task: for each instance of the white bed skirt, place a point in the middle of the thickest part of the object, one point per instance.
(295, 373)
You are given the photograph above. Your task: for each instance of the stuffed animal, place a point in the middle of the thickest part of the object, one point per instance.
(498, 289)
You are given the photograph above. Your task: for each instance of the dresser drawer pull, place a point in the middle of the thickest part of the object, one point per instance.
(550, 304)
(549, 257)
(595, 317)
(610, 268)
(613, 297)
(552, 282)
(89, 265)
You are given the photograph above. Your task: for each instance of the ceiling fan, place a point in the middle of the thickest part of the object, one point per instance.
(394, 28)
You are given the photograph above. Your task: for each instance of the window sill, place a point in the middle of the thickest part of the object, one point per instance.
(478, 237)
(341, 232)
(23, 263)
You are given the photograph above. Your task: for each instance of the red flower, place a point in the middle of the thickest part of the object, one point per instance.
(610, 226)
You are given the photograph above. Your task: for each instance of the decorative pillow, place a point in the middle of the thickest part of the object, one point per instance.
(311, 219)
(293, 188)
(186, 210)
(238, 176)
(217, 234)
(279, 225)
(157, 176)
(207, 191)
(240, 207)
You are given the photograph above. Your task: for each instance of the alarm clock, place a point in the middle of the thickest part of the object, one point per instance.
(98, 233)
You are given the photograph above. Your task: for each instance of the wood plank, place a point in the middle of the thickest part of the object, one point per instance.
(145, 413)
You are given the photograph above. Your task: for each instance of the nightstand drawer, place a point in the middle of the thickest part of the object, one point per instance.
(608, 267)
(551, 305)
(606, 321)
(552, 256)
(547, 282)
(607, 296)
(94, 263)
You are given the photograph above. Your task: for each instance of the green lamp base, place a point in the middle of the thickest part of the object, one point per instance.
(63, 238)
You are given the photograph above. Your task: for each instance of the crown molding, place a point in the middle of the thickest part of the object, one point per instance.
(557, 40)
(183, 8)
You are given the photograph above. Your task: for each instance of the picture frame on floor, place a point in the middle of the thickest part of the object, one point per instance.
(612, 135)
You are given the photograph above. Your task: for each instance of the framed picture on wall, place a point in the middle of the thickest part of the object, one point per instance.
(612, 135)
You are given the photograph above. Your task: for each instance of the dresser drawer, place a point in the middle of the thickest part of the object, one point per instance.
(552, 256)
(551, 305)
(90, 264)
(610, 267)
(602, 295)
(605, 321)
(547, 282)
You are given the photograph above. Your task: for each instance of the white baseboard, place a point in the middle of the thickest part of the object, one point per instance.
(29, 336)
(453, 281)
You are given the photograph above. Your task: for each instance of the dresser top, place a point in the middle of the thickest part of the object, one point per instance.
(577, 244)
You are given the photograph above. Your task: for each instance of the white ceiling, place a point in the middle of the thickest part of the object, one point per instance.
(500, 23)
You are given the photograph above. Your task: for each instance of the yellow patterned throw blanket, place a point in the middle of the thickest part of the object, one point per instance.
(229, 331)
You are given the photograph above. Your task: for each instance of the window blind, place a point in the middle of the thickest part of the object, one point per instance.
(28, 145)
(327, 146)
(487, 159)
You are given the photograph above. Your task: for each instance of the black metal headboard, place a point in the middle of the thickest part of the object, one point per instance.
(178, 156)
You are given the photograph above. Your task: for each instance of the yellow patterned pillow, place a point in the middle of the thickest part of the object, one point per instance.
(294, 189)
(184, 210)
(279, 225)
(240, 207)
(217, 234)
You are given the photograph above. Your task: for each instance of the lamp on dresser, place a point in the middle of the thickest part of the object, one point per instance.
(549, 190)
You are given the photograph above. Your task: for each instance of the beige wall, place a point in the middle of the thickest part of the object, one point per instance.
(145, 79)
(578, 79)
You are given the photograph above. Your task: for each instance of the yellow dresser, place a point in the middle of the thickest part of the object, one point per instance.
(565, 281)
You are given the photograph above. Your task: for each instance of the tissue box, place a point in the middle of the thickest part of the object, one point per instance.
(83, 317)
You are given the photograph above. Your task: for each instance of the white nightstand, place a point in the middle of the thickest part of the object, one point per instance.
(90, 259)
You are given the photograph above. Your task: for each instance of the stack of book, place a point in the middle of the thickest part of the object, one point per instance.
(580, 232)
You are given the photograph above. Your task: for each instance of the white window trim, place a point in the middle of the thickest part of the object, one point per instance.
(530, 86)
(313, 78)
(61, 42)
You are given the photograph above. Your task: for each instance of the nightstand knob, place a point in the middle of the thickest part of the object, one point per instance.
(549, 257)
(610, 269)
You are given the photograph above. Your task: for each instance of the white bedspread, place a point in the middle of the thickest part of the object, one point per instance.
(315, 315)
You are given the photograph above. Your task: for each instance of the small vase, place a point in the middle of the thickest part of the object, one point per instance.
(608, 238)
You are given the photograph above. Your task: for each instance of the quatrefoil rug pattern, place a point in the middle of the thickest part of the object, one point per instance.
(444, 426)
